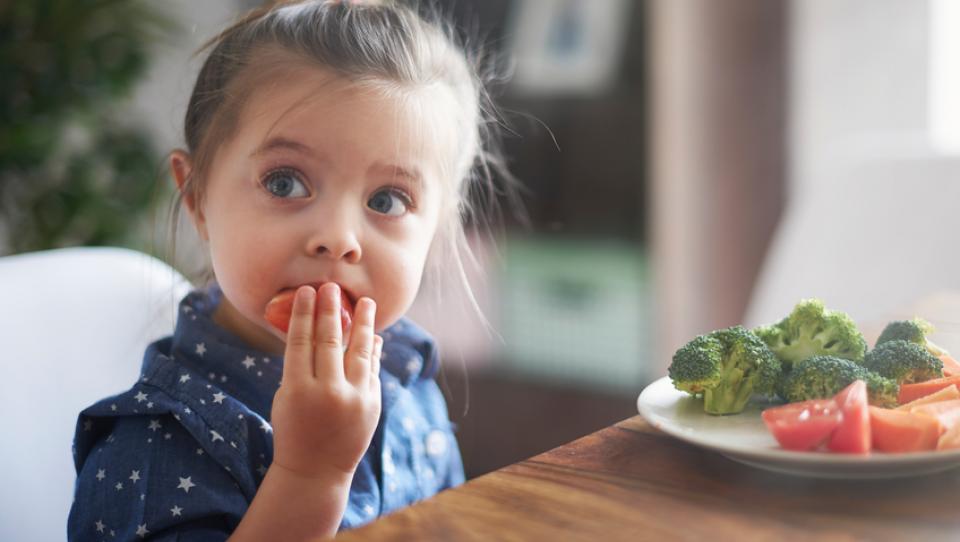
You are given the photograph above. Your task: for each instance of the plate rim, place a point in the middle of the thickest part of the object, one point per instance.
(780, 456)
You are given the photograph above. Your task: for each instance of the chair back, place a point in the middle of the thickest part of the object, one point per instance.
(75, 323)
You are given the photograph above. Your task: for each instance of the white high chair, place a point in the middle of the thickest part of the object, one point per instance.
(75, 323)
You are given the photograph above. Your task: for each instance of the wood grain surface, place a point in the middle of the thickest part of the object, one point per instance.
(632, 482)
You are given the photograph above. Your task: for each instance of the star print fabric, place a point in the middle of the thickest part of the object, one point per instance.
(180, 455)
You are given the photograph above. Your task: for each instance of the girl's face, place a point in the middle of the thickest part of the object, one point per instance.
(322, 181)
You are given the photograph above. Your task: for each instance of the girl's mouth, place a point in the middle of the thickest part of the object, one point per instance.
(347, 299)
(279, 310)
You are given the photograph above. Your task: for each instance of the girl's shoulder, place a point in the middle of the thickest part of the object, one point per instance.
(170, 399)
(409, 352)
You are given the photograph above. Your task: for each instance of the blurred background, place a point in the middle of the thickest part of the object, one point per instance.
(691, 165)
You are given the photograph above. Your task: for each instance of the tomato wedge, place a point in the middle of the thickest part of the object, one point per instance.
(803, 425)
(280, 309)
(852, 436)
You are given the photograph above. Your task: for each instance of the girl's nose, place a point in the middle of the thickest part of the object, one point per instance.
(336, 243)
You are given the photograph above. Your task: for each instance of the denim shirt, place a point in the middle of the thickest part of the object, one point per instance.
(181, 454)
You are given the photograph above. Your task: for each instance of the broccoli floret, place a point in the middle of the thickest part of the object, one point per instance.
(813, 330)
(697, 365)
(914, 331)
(881, 391)
(725, 367)
(903, 361)
(822, 377)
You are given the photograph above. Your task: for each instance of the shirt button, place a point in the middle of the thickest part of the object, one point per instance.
(436, 443)
(388, 466)
(413, 366)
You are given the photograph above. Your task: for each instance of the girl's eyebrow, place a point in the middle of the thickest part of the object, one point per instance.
(280, 142)
(411, 174)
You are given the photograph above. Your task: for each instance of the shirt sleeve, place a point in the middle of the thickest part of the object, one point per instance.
(147, 478)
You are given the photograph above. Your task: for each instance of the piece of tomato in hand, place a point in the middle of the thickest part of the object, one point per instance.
(803, 425)
(280, 309)
(852, 436)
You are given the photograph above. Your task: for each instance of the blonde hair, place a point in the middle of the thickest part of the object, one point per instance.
(382, 43)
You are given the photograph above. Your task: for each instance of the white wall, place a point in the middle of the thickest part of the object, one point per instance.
(858, 84)
(944, 110)
(869, 226)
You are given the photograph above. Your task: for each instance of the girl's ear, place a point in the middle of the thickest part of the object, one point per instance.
(181, 166)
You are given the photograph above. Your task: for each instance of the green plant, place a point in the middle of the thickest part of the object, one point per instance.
(73, 171)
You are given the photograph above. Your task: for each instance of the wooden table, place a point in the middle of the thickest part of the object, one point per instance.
(632, 482)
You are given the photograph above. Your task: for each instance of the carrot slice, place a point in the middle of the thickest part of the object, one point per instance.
(910, 392)
(950, 440)
(945, 412)
(951, 367)
(946, 394)
(897, 431)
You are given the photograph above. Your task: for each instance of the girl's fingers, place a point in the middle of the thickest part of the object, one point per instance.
(298, 357)
(375, 362)
(328, 358)
(360, 351)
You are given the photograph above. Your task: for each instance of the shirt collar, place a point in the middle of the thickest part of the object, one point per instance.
(221, 357)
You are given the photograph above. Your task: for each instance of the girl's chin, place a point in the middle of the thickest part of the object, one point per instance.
(274, 332)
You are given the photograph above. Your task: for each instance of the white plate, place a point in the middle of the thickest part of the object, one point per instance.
(744, 438)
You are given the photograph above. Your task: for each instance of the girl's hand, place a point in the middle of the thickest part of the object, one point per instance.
(327, 407)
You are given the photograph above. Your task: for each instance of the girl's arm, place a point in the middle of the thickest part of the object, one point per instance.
(324, 416)
(289, 506)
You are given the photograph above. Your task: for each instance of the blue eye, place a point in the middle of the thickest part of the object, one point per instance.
(285, 183)
(389, 202)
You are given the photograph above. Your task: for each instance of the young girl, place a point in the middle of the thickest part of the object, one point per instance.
(329, 149)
